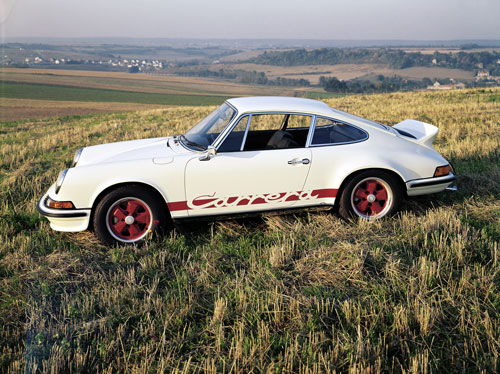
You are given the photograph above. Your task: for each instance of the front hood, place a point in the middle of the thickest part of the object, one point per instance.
(125, 151)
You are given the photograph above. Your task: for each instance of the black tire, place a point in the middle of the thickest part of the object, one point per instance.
(129, 215)
(370, 195)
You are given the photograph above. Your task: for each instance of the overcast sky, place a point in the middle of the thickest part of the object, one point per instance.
(254, 19)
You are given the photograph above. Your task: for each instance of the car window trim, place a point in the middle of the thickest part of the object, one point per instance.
(311, 131)
(229, 126)
(340, 143)
(246, 132)
(233, 125)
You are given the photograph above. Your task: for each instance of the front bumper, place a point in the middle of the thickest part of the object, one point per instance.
(64, 220)
(431, 185)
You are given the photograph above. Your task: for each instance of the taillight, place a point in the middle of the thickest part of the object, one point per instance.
(442, 170)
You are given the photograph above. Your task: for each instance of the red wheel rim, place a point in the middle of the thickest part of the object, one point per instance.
(371, 198)
(129, 219)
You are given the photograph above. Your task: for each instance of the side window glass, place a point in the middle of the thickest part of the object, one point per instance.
(277, 131)
(329, 131)
(233, 140)
(266, 122)
(296, 121)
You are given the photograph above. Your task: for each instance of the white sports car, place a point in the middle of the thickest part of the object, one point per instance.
(249, 155)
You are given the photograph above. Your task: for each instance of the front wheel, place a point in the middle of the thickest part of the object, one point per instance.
(370, 195)
(127, 215)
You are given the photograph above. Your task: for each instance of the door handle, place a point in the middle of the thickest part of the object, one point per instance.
(304, 161)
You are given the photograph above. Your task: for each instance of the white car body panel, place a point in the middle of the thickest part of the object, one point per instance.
(67, 224)
(123, 151)
(245, 181)
(249, 181)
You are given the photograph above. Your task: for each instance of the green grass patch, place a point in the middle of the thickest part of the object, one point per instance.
(68, 93)
(494, 98)
(321, 95)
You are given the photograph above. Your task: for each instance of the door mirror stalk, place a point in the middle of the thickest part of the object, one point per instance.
(209, 153)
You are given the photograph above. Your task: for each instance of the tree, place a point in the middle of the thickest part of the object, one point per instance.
(334, 85)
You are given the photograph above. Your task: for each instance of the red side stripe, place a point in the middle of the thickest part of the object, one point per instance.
(178, 205)
(325, 193)
(318, 194)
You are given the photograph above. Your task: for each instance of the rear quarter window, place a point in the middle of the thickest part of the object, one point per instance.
(329, 131)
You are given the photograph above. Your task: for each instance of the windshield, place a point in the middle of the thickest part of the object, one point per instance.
(208, 129)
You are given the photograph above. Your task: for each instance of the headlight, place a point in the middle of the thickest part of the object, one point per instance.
(77, 157)
(60, 179)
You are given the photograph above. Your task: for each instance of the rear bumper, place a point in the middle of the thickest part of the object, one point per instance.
(431, 185)
(64, 220)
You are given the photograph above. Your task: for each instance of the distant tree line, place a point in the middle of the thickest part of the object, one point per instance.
(379, 84)
(395, 58)
(244, 76)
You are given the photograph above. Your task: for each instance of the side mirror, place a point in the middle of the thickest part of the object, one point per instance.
(209, 153)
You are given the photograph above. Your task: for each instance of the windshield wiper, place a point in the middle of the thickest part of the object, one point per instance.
(193, 144)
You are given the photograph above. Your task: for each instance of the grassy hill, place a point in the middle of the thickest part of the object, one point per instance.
(309, 293)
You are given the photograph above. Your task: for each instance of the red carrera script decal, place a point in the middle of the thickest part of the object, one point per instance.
(211, 201)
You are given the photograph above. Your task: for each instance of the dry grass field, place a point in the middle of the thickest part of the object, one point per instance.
(25, 109)
(306, 293)
(349, 71)
(145, 83)
(434, 72)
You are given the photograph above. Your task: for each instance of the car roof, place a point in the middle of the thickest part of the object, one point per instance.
(280, 104)
(265, 104)
(285, 104)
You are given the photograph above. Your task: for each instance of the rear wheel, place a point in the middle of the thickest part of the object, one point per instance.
(128, 215)
(370, 195)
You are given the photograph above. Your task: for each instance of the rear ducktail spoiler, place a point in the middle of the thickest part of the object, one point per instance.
(424, 133)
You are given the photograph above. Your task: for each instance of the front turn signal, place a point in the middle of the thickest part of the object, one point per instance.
(59, 204)
(442, 170)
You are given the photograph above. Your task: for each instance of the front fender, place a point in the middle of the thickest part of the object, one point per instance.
(84, 184)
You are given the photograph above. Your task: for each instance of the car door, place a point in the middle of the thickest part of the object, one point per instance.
(249, 173)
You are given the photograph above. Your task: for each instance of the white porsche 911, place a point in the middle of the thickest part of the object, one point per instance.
(249, 155)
